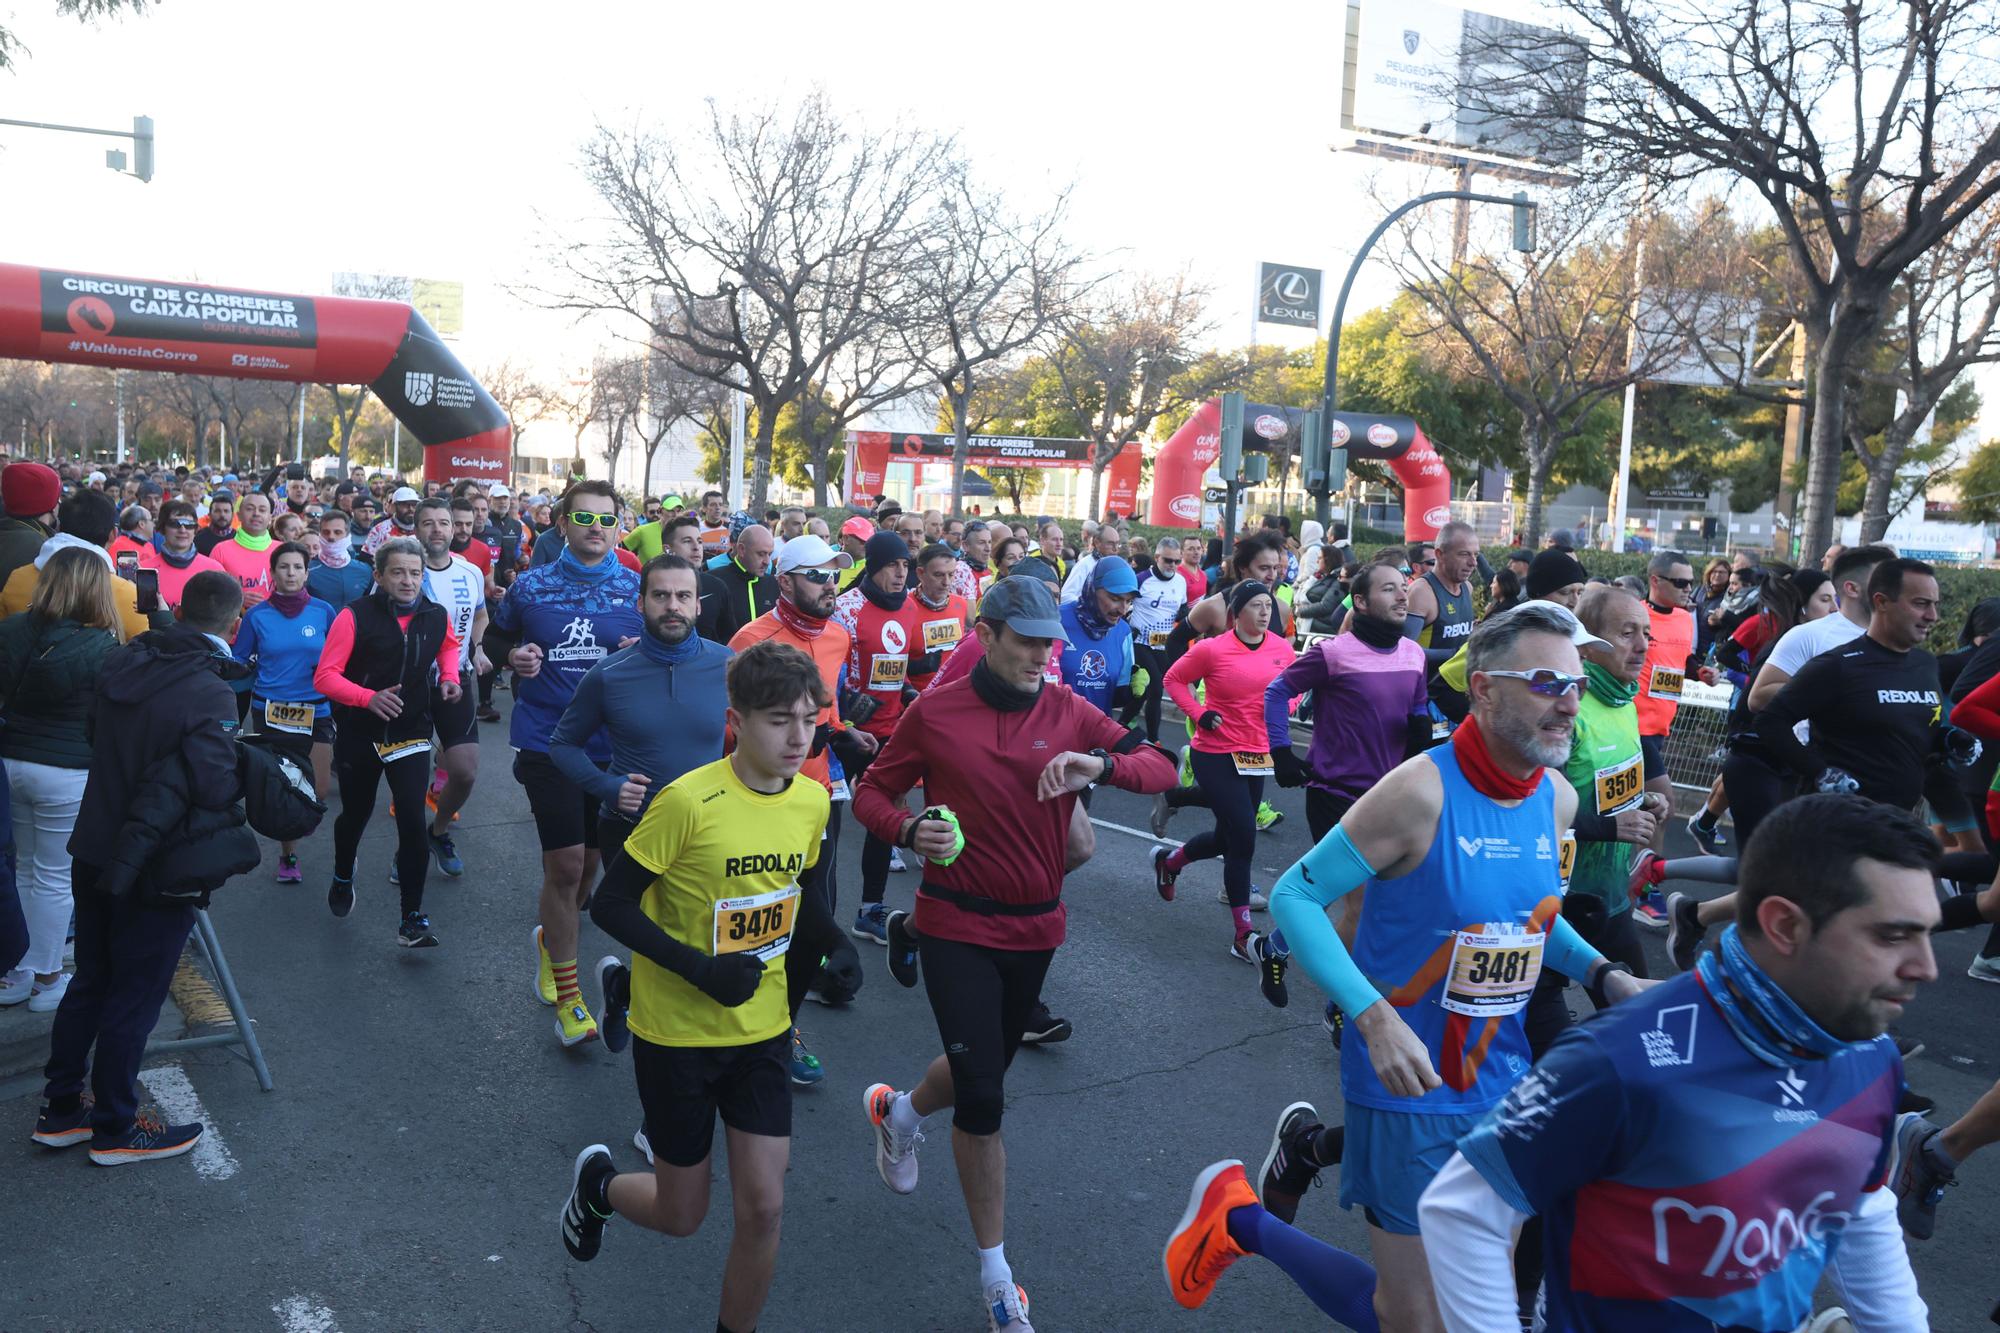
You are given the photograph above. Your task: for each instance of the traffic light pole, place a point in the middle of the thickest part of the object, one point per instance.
(1523, 240)
(141, 135)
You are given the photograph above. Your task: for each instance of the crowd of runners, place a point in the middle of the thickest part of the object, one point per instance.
(696, 695)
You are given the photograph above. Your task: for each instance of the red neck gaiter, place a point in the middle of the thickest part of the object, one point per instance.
(797, 621)
(1486, 776)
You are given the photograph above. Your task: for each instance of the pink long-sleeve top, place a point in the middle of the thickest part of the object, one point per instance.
(1236, 675)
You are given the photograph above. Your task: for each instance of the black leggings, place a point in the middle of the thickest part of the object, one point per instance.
(359, 772)
(820, 879)
(874, 851)
(982, 999)
(1234, 799)
(813, 939)
(1324, 810)
(1153, 661)
(1755, 790)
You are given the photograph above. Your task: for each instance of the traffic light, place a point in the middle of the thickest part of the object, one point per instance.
(1230, 462)
(142, 147)
(1312, 452)
(1524, 223)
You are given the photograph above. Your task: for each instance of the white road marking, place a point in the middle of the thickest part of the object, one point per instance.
(1137, 833)
(171, 1089)
(297, 1314)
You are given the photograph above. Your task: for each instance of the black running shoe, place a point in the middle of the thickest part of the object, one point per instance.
(614, 982)
(1334, 1022)
(1684, 930)
(1271, 967)
(1287, 1173)
(340, 896)
(902, 949)
(1044, 1028)
(415, 932)
(582, 1224)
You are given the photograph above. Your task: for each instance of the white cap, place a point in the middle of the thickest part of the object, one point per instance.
(500, 493)
(97, 476)
(1578, 635)
(810, 552)
(405, 495)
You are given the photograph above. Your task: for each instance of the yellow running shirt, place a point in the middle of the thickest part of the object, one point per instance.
(726, 862)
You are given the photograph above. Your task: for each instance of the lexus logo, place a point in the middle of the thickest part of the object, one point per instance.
(1291, 288)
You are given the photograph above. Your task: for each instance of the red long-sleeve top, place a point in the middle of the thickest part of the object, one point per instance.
(329, 676)
(984, 764)
(1979, 711)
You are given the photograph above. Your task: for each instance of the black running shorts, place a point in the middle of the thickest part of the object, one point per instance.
(565, 816)
(456, 723)
(682, 1088)
(1654, 750)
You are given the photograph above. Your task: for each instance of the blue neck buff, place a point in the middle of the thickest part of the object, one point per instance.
(672, 654)
(1087, 617)
(1762, 1016)
(582, 573)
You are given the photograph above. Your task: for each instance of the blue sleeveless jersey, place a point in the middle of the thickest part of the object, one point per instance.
(1491, 871)
(1686, 1184)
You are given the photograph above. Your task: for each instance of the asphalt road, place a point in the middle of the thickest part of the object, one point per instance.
(407, 1171)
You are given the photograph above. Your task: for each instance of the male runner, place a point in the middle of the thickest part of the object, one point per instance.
(972, 574)
(748, 589)
(1669, 661)
(246, 555)
(402, 520)
(1163, 591)
(706, 895)
(1441, 612)
(561, 619)
(683, 538)
(1006, 757)
(457, 585)
(1704, 1153)
(335, 576)
(946, 622)
(1457, 849)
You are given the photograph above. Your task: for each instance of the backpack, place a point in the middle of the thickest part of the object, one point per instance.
(278, 796)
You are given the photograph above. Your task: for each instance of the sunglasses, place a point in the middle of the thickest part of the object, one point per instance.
(1429, 562)
(182, 523)
(819, 576)
(1682, 584)
(586, 519)
(1545, 682)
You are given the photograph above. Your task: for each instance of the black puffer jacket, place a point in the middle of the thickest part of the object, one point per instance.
(172, 850)
(48, 683)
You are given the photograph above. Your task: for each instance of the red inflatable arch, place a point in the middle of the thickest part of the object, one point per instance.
(1181, 464)
(202, 329)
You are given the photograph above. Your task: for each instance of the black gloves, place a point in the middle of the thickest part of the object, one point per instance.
(841, 973)
(729, 980)
(1209, 721)
(1290, 770)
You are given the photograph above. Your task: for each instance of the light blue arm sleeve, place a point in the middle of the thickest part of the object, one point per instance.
(1565, 951)
(1329, 872)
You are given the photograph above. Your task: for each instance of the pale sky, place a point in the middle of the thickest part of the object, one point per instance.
(423, 138)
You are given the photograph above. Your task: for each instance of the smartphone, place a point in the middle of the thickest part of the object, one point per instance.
(149, 591)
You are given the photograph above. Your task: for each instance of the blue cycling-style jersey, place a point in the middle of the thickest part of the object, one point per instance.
(1095, 668)
(1456, 945)
(576, 623)
(1685, 1183)
(285, 650)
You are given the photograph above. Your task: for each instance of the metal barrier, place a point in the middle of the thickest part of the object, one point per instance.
(1696, 741)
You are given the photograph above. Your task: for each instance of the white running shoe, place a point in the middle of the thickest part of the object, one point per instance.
(639, 1142)
(1984, 969)
(48, 998)
(1007, 1308)
(17, 985)
(1258, 902)
(895, 1154)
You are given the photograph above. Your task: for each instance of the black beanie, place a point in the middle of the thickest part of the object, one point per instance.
(1242, 591)
(1552, 569)
(883, 548)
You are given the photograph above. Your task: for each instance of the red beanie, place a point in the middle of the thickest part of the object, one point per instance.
(29, 490)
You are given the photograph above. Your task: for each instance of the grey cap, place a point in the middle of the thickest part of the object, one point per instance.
(1026, 605)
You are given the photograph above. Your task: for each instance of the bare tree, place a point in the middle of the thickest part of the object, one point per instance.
(1869, 128)
(197, 400)
(11, 48)
(987, 284)
(520, 395)
(1122, 360)
(755, 250)
(673, 398)
(618, 390)
(346, 404)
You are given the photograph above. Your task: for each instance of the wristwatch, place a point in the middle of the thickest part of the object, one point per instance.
(1110, 765)
(1594, 988)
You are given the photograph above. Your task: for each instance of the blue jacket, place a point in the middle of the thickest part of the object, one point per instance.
(664, 719)
(339, 588)
(576, 623)
(285, 649)
(1095, 668)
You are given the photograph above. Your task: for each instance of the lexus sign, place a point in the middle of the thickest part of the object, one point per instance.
(1288, 294)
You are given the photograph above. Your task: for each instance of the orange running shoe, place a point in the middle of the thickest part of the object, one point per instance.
(1200, 1248)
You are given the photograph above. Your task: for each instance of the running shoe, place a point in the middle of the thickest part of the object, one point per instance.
(415, 932)
(614, 990)
(1984, 969)
(487, 713)
(1910, 1100)
(643, 1144)
(1044, 1028)
(1651, 911)
(871, 923)
(395, 872)
(806, 1068)
(1334, 1021)
(1271, 967)
(582, 1224)
(149, 1139)
(574, 1025)
(545, 972)
(288, 870)
(1908, 1047)
(46, 997)
(895, 1153)
(1162, 812)
(1640, 882)
(1200, 1249)
(1916, 1178)
(1684, 930)
(1268, 816)
(896, 866)
(446, 853)
(1832, 1319)
(1288, 1172)
(902, 942)
(1007, 1308)
(1244, 947)
(1711, 839)
(64, 1129)
(340, 896)
(1258, 902)
(1164, 875)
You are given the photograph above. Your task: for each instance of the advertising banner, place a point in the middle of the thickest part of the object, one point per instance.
(869, 454)
(1289, 294)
